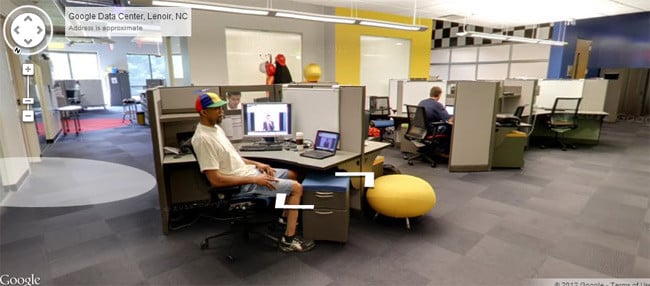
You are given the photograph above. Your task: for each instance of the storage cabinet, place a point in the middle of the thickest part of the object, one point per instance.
(330, 218)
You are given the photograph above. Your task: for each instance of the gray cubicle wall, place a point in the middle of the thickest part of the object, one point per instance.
(474, 124)
(526, 95)
(351, 116)
(313, 108)
(412, 92)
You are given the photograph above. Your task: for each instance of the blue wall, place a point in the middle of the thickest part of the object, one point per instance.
(617, 42)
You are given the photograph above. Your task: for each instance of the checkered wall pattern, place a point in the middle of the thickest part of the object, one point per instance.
(444, 34)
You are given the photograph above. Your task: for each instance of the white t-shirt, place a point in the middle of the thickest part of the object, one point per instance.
(215, 152)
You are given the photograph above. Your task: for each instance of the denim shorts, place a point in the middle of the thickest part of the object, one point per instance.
(282, 186)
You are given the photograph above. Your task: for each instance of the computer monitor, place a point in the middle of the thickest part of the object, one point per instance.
(267, 120)
(450, 109)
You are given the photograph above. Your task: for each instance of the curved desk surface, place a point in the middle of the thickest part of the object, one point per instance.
(292, 157)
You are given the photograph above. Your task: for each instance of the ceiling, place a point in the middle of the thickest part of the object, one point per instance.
(496, 13)
(490, 13)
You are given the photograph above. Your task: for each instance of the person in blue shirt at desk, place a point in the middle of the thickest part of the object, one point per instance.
(224, 167)
(436, 112)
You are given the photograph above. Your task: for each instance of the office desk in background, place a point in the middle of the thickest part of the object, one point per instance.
(588, 131)
(67, 113)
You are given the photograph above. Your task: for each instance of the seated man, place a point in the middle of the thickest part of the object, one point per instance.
(224, 167)
(436, 112)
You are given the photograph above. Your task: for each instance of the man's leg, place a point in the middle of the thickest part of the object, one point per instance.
(292, 214)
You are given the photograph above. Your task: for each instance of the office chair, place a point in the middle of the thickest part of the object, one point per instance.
(425, 136)
(244, 213)
(519, 111)
(379, 116)
(564, 118)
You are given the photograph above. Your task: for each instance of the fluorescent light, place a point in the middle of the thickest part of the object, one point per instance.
(392, 26)
(510, 38)
(85, 3)
(212, 7)
(314, 17)
(285, 14)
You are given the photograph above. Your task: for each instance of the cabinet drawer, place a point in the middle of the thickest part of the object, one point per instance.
(326, 199)
(326, 224)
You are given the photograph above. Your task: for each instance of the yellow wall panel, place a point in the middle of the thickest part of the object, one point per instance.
(348, 44)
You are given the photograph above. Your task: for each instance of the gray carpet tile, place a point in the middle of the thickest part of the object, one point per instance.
(575, 214)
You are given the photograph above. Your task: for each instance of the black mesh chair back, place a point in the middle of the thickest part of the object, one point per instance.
(565, 112)
(418, 126)
(519, 111)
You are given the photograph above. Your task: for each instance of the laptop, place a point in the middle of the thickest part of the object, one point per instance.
(450, 109)
(324, 145)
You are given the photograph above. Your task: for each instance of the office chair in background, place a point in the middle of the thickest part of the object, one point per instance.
(380, 116)
(425, 136)
(564, 118)
(519, 111)
(244, 213)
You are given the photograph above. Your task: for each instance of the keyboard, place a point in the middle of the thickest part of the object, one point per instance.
(260, 148)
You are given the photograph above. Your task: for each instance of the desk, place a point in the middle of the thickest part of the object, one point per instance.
(184, 184)
(70, 112)
(588, 131)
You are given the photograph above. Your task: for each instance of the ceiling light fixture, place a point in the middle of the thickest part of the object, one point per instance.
(213, 7)
(510, 38)
(314, 17)
(287, 14)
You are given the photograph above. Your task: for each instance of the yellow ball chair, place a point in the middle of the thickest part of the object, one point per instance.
(401, 196)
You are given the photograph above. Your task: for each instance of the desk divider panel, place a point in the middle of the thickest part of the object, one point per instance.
(412, 92)
(474, 124)
(351, 118)
(549, 90)
(527, 93)
(181, 99)
(594, 94)
(313, 109)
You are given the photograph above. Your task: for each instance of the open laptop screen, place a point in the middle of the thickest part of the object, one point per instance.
(450, 109)
(326, 141)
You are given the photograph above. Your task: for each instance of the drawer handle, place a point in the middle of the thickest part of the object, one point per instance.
(324, 194)
(324, 212)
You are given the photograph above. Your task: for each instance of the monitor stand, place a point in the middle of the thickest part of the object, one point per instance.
(270, 141)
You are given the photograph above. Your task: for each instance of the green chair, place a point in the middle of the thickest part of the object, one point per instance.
(564, 118)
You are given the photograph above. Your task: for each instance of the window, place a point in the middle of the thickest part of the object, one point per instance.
(66, 66)
(143, 67)
(178, 66)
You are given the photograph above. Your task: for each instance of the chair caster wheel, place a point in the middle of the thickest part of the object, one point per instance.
(410, 163)
(573, 147)
(405, 157)
(204, 245)
(230, 259)
(563, 149)
(542, 146)
(433, 165)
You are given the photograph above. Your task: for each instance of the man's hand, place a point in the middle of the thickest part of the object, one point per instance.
(265, 180)
(266, 169)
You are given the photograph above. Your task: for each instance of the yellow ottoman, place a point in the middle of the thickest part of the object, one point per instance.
(401, 196)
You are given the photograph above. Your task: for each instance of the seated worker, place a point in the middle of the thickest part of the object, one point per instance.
(224, 167)
(234, 100)
(436, 112)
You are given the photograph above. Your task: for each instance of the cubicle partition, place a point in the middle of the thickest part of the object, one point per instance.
(251, 92)
(474, 124)
(412, 92)
(550, 89)
(172, 111)
(523, 93)
(313, 108)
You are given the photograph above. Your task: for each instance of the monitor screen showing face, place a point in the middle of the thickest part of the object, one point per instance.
(450, 109)
(268, 119)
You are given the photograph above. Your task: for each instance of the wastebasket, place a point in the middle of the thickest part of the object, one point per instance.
(140, 116)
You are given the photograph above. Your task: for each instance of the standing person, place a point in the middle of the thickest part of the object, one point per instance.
(224, 167)
(269, 125)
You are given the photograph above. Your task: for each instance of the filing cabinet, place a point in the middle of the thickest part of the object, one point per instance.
(330, 218)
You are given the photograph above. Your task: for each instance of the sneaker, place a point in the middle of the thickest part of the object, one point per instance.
(297, 244)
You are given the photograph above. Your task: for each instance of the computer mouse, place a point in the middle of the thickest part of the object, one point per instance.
(287, 148)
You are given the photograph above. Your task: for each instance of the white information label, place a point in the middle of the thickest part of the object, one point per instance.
(128, 22)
